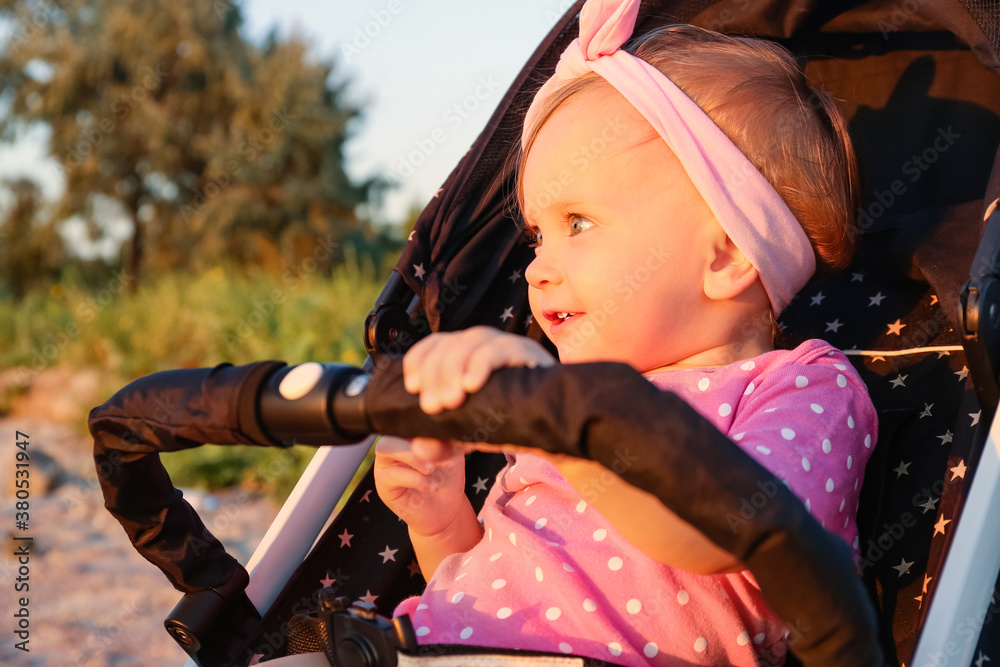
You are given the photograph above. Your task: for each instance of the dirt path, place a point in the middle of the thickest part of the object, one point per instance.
(93, 600)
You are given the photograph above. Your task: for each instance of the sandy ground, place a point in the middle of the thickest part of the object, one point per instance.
(93, 600)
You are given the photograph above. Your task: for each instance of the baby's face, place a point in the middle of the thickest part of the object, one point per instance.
(625, 236)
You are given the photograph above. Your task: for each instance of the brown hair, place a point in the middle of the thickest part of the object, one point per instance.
(759, 97)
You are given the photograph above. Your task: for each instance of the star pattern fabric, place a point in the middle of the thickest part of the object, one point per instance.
(928, 417)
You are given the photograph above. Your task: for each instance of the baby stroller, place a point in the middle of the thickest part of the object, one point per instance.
(920, 81)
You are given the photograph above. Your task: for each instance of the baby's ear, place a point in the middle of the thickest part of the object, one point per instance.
(730, 273)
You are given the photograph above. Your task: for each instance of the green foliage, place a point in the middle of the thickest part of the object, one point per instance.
(270, 471)
(30, 253)
(184, 320)
(163, 114)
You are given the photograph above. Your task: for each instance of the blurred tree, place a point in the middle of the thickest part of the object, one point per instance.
(162, 112)
(30, 250)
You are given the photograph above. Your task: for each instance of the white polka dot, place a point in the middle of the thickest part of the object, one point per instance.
(423, 631)
(496, 556)
(840, 367)
(530, 500)
(801, 381)
(421, 607)
(787, 433)
(582, 505)
(498, 584)
(703, 384)
(748, 366)
(633, 606)
(683, 597)
(467, 561)
(850, 421)
(808, 506)
(725, 410)
(513, 539)
(565, 648)
(763, 450)
(615, 649)
(769, 410)
(817, 408)
(615, 564)
(805, 464)
(849, 461)
(457, 597)
(868, 441)
(553, 613)
(600, 534)
(759, 637)
(847, 520)
(829, 484)
(523, 481)
(743, 639)
(461, 576)
(541, 523)
(749, 389)
(538, 573)
(700, 644)
(841, 381)
(827, 446)
(855, 485)
(568, 567)
(589, 605)
(465, 633)
(739, 436)
(650, 650)
(504, 612)
(842, 504)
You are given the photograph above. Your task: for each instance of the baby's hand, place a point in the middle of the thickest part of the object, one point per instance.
(444, 367)
(422, 482)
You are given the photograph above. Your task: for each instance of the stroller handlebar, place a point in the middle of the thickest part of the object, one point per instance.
(806, 574)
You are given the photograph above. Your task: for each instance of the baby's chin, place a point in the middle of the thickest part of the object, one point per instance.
(576, 355)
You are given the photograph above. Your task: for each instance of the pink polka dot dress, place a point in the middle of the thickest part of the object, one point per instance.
(552, 574)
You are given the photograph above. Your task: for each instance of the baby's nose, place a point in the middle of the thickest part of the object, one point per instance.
(542, 270)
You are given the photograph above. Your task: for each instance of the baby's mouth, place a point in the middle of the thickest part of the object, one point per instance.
(558, 318)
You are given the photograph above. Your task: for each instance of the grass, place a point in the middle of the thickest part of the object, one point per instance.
(184, 321)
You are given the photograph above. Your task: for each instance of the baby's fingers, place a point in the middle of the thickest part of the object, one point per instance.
(501, 353)
(391, 451)
(397, 479)
(433, 451)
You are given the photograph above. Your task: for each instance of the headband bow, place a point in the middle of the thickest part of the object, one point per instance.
(749, 209)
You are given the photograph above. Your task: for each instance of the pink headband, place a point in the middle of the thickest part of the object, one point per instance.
(749, 209)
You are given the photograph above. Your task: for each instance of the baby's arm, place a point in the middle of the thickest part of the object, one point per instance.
(644, 521)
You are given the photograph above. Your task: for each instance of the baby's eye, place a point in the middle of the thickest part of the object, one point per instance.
(578, 224)
(534, 236)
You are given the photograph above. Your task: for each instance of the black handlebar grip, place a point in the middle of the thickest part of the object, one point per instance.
(297, 405)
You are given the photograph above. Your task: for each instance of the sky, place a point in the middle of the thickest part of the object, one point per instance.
(428, 75)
